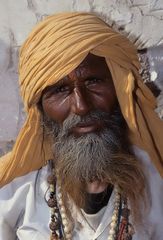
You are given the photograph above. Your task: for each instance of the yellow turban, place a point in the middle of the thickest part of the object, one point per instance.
(55, 47)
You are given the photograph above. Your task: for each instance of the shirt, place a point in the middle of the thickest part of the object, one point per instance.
(24, 213)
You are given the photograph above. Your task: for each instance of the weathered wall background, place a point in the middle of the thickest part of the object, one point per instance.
(143, 18)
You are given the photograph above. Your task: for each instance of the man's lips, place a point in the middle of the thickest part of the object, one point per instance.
(83, 128)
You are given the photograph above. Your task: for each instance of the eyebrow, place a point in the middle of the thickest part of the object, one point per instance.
(60, 82)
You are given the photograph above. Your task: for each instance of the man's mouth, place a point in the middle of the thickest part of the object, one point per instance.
(87, 127)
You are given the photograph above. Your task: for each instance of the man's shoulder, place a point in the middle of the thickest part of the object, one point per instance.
(148, 166)
(145, 160)
(23, 182)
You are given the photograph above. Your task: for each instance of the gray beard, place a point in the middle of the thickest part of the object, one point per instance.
(104, 156)
(89, 156)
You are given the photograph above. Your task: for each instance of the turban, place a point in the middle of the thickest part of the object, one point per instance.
(54, 48)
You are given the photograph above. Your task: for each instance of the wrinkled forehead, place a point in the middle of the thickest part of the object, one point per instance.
(92, 65)
(60, 43)
(92, 59)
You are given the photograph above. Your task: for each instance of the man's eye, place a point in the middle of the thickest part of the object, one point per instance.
(93, 81)
(57, 90)
(60, 89)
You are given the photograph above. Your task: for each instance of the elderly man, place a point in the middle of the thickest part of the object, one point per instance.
(91, 121)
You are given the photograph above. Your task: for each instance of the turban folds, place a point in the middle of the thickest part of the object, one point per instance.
(54, 48)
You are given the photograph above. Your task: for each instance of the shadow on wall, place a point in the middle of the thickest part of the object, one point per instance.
(11, 107)
(8, 56)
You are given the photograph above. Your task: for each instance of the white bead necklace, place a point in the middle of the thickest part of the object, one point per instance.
(114, 220)
(116, 225)
(67, 227)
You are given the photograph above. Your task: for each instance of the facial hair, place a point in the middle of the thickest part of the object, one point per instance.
(104, 156)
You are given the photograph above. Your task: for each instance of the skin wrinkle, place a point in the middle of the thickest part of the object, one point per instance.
(93, 149)
(86, 33)
(102, 153)
(92, 95)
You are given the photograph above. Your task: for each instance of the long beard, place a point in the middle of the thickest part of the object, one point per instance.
(104, 156)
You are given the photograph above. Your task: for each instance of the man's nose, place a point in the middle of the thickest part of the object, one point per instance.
(81, 104)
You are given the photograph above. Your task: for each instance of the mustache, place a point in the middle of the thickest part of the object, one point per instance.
(104, 156)
(114, 121)
(96, 150)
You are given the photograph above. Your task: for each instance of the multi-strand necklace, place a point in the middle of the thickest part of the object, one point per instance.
(120, 228)
(61, 227)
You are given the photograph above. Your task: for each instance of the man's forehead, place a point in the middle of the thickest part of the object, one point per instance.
(92, 58)
(92, 64)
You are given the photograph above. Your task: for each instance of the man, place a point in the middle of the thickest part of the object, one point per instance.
(89, 114)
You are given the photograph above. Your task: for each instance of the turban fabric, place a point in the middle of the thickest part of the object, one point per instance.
(54, 48)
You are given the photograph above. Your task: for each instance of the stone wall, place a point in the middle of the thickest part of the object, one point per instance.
(141, 18)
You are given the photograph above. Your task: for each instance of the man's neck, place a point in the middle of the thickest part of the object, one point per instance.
(96, 201)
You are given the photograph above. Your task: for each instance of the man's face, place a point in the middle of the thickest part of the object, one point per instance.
(90, 135)
(87, 88)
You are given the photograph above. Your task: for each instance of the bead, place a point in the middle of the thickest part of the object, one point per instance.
(54, 226)
(116, 209)
(51, 179)
(125, 212)
(52, 211)
(112, 225)
(116, 204)
(52, 188)
(115, 212)
(112, 231)
(54, 219)
(52, 194)
(110, 238)
(56, 210)
(116, 190)
(117, 198)
(53, 216)
(54, 236)
(52, 203)
(114, 219)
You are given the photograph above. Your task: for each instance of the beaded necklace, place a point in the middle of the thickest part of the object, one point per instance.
(61, 228)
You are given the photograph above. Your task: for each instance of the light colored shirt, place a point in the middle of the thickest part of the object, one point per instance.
(24, 214)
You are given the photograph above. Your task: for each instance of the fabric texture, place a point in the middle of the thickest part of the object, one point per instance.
(25, 214)
(54, 48)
